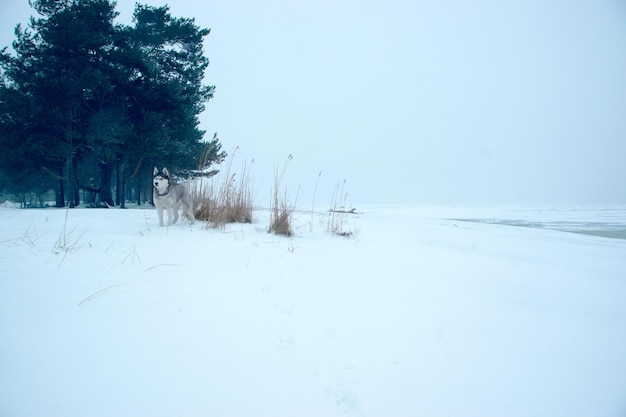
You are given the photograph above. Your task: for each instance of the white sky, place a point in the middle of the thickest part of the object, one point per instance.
(416, 101)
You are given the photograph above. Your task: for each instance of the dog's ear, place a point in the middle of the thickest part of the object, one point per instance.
(154, 171)
(166, 172)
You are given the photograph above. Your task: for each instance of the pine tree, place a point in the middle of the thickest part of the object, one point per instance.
(82, 91)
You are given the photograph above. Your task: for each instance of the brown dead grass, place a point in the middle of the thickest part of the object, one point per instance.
(280, 212)
(224, 198)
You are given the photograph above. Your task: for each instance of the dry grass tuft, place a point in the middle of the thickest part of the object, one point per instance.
(68, 240)
(337, 213)
(224, 198)
(280, 212)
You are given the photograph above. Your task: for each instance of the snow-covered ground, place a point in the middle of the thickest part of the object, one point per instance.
(103, 313)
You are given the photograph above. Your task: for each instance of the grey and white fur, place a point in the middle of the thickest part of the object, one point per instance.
(170, 197)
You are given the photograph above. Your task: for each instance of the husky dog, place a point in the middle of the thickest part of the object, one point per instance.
(170, 197)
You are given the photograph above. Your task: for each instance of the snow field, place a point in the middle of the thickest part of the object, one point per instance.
(414, 315)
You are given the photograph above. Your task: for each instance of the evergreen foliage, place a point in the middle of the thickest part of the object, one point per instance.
(83, 97)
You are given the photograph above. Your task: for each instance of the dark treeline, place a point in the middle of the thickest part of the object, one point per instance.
(88, 106)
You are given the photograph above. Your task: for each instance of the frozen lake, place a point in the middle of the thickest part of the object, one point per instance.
(606, 221)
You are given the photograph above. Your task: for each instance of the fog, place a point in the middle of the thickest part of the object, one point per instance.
(414, 101)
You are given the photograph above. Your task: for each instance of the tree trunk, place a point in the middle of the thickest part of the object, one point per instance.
(75, 185)
(72, 171)
(106, 172)
(122, 166)
(73, 192)
(139, 190)
(119, 199)
(60, 192)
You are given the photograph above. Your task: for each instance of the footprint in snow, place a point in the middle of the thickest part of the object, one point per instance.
(346, 400)
(286, 344)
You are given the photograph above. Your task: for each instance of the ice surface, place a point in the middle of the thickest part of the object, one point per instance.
(606, 221)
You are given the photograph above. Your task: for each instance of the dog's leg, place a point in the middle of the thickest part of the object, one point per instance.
(170, 216)
(160, 214)
(175, 210)
(188, 212)
(192, 218)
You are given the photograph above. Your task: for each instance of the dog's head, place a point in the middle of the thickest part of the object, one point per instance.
(160, 179)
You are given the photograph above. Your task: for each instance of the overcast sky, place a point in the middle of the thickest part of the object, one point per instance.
(416, 101)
